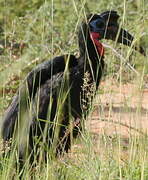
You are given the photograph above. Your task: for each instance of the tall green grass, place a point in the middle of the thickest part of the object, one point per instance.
(49, 28)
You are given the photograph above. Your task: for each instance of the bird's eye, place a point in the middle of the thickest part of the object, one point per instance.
(100, 24)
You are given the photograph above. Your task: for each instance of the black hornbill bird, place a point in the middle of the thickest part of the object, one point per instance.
(65, 87)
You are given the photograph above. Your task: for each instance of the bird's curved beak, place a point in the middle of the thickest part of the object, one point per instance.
(115, 33)
(122, 36)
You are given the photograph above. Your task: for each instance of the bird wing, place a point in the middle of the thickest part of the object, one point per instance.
(46, 70)
(36, 78)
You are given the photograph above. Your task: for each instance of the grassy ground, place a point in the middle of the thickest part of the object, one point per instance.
(49, 28)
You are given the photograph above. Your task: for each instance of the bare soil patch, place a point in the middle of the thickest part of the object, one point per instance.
(119, 113)
(120, 109)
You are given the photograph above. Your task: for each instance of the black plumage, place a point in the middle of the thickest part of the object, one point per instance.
(65, 87)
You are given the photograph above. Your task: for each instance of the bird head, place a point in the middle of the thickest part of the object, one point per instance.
(105, 26)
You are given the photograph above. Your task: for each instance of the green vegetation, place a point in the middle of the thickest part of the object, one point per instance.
(47, 28)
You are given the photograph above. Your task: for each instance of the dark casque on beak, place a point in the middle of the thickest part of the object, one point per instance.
(114, 32)
(121, 35)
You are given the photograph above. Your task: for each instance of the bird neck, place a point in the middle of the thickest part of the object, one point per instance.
(97, 44)
(91, 51)
(91, 56)
(89, 44)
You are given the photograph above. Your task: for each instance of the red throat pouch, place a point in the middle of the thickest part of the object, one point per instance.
(95, 38)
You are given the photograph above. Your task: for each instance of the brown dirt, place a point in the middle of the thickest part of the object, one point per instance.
(121, 109)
